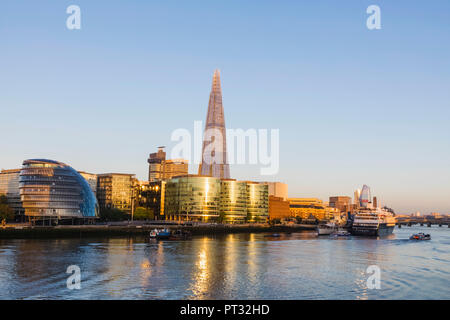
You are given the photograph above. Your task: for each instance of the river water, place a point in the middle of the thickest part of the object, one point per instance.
(239, 266)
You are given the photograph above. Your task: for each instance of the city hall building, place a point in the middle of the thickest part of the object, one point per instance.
(51, 191)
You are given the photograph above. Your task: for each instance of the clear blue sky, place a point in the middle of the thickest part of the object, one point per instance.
(353, 106)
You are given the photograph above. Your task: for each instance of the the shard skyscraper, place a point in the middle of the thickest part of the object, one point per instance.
(214, 152)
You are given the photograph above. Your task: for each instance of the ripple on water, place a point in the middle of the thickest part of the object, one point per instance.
(237, 267)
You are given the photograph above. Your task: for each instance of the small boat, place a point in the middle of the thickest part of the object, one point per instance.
(420, 236)
(326, 229)
(341, 233)
(160, 234)
(153, 234)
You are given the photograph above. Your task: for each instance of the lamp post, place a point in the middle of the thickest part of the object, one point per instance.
(133, 198)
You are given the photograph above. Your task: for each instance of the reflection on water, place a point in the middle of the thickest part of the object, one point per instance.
(201, 274)
(236, 266)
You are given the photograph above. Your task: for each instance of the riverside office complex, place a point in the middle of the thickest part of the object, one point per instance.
(50, 190)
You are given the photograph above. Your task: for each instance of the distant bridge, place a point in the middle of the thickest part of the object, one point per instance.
(423, 221)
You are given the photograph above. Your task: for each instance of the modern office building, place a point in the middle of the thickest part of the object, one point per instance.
(257, 202)
(214, 161)
(365, 199)
(91, 179)
(161, 169)
(9, 186)
(210, 199)
(356, 196)
(151, 195)
(116, 190)
(233, 201)
(342, 203)
(375, 202)
(193, 198)
(51, 191)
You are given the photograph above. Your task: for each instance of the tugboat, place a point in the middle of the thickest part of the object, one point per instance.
(420, 236)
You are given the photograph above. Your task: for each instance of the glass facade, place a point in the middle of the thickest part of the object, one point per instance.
(51, 189)
(257, 202)
(365, 197)
(9, 186)
(233, 201)
(208, 199)
(91, 179)
(150, 195)
(193, 198)
(214, 150)
(116, 190)
(161, 169)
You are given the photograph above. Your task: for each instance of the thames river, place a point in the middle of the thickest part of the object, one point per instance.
(239, 266)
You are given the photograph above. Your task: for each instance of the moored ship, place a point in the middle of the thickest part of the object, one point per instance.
(369, 220)
(373, 222)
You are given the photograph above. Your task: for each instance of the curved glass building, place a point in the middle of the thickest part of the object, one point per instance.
(53, 190)
(233, 201)
(209, 199)
(257, 202)
(194, 198)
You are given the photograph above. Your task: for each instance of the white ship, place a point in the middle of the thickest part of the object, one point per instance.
(369, 220)
(373, 222)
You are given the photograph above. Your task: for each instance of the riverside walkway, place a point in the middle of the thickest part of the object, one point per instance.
(139, 229)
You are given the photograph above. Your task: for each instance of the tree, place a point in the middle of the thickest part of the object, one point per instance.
(113, 214)
(142, 213)
(6, 212)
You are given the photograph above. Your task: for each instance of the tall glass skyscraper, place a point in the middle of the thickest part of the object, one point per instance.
(365, 199)
(214, 152)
